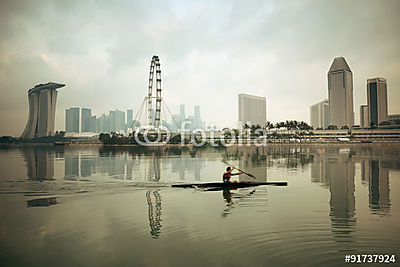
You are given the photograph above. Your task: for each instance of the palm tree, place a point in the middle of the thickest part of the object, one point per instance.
(295, 124)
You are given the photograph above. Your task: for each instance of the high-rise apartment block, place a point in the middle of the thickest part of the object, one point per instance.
(252, 110)
(129, 118)
(72, 120)
(319, 114)
(86, 117)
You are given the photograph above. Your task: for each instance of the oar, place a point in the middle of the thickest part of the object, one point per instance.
(248, 174)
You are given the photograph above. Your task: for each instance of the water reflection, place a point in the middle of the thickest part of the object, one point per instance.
(257, 160)
(349, 204)
(39, 162)
(154, 213)
(377, 178)
(251, 159)
(71, 166)
(234, 198)
(226, 194)
(335, 170)
(154, 172)
(41, 202)
(133, 163)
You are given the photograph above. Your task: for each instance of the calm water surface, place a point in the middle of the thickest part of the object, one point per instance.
(95, 206)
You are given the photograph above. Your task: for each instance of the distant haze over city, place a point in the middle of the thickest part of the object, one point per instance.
(209, 51)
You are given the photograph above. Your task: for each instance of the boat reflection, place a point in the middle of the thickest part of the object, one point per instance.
(154, 213)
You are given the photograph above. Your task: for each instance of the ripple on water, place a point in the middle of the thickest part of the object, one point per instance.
(291, 244)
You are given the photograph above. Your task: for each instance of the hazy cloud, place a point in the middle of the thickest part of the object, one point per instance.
(210, 51)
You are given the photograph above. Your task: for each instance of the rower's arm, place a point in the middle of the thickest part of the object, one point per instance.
(238, 173)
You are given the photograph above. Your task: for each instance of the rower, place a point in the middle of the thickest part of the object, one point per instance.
(227, 175)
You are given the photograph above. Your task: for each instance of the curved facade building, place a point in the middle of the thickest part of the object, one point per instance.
(42, 109)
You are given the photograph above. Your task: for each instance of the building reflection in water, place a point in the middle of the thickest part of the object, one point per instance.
(256, 160)
(186, 165)
(251, 159)
(153, 170)
(335, 170)
(132, 164)
(377, 179)
(71, 166)
(40, 162)
(154, 213)
(42, 202)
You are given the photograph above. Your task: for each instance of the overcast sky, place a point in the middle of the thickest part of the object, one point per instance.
(210, 51)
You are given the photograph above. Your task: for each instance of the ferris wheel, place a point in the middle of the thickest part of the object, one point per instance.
(152, 113)
(153, 116)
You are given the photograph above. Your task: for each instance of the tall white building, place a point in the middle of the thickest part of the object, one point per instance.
(252, 110)
(319, 114)
(340, 91)
(377, 100)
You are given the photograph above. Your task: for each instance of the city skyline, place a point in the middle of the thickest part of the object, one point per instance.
(224, 49)
(81, 120)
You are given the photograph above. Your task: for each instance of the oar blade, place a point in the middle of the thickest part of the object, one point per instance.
(251, 175)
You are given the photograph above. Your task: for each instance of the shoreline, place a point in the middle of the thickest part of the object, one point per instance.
(244, 145)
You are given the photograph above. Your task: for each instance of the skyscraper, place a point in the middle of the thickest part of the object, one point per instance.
(252, 110)
(340, 91)
(42, 109)
(182, 112)
(117, 120)
(377, 100)
(129, 118)
(86, 116)
(103, 123)
(197, 122)
(319, 114)
(93, 124)
(112, 120)
(364, 116)
(72, 120)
